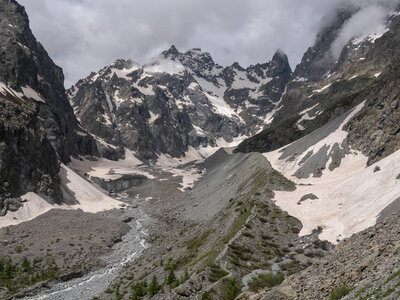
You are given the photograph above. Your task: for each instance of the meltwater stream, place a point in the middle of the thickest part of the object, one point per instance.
(92, 284)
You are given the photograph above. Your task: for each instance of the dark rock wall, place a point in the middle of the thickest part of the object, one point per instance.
(34, 136)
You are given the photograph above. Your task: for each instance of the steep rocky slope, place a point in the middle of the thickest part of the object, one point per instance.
(37, 125)
(365, 266)
(336, 137)
(336, 189)
(315, 96)
(375, 131)
(176, 101)
(346, 133)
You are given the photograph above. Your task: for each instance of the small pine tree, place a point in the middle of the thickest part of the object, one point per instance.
(118, 293)
(26, 266)
(42, 274)
(8, 270)
(139, 290)
(1, 266)
(185, 276)
(154, 287)
(171, 277)
(235, 260)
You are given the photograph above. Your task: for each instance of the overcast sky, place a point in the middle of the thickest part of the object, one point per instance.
(85, 35)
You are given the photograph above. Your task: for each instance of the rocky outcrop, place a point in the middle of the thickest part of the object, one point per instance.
(120, 184)
(317, 61)
(177, 100)
(376, 130)
(320, 91)
(37, 124)
(28, 162)
(365, 266)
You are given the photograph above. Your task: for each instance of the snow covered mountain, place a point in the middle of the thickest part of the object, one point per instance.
(328, 168)
(337, 133)
(326, 84)
(176, 101)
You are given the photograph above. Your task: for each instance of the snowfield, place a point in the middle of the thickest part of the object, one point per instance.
(33, 206)
(109, 169)
(350, 198)
(89, 197)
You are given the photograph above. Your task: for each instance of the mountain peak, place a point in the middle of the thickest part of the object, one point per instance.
(172, 52)
(124, 64)
(279, 55)
(236, 65)
(280, 58)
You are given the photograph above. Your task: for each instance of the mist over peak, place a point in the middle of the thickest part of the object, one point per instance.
(82, 36)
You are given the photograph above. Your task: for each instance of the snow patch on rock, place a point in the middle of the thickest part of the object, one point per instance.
(350, 197)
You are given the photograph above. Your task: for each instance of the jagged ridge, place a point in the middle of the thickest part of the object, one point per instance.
(178, 100)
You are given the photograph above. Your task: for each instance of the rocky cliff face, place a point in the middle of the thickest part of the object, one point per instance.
(376, 130)
(318, 92)
(365, 266)
(177, 100)
(317, 61)
(37, 125)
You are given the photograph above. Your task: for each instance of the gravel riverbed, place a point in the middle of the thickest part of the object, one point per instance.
(96, 282)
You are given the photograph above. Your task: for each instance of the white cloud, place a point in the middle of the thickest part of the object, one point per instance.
(367, 21)
(84, 35)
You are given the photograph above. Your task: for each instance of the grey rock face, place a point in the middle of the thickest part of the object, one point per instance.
(120, 184)
(27, 160)
(37, 125)
(321, 91)
(177, 100)
(318, 60)
(376, 130)
(367, 263)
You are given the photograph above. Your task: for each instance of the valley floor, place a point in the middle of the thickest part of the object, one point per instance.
(201, 227)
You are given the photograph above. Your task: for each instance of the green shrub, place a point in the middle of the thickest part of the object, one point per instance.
(295, 230)
(172, 281)
(230, 290)
(339, 292)
(217, 273)
(206, 296)
(235, 260)
(185, 277)
(8, 269)
(154, 287)
(26, 265)
(263, 220)
(139, 290)
(266, 280)
(248, 234)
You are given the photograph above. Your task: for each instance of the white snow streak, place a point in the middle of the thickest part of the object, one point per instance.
(350, 197)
